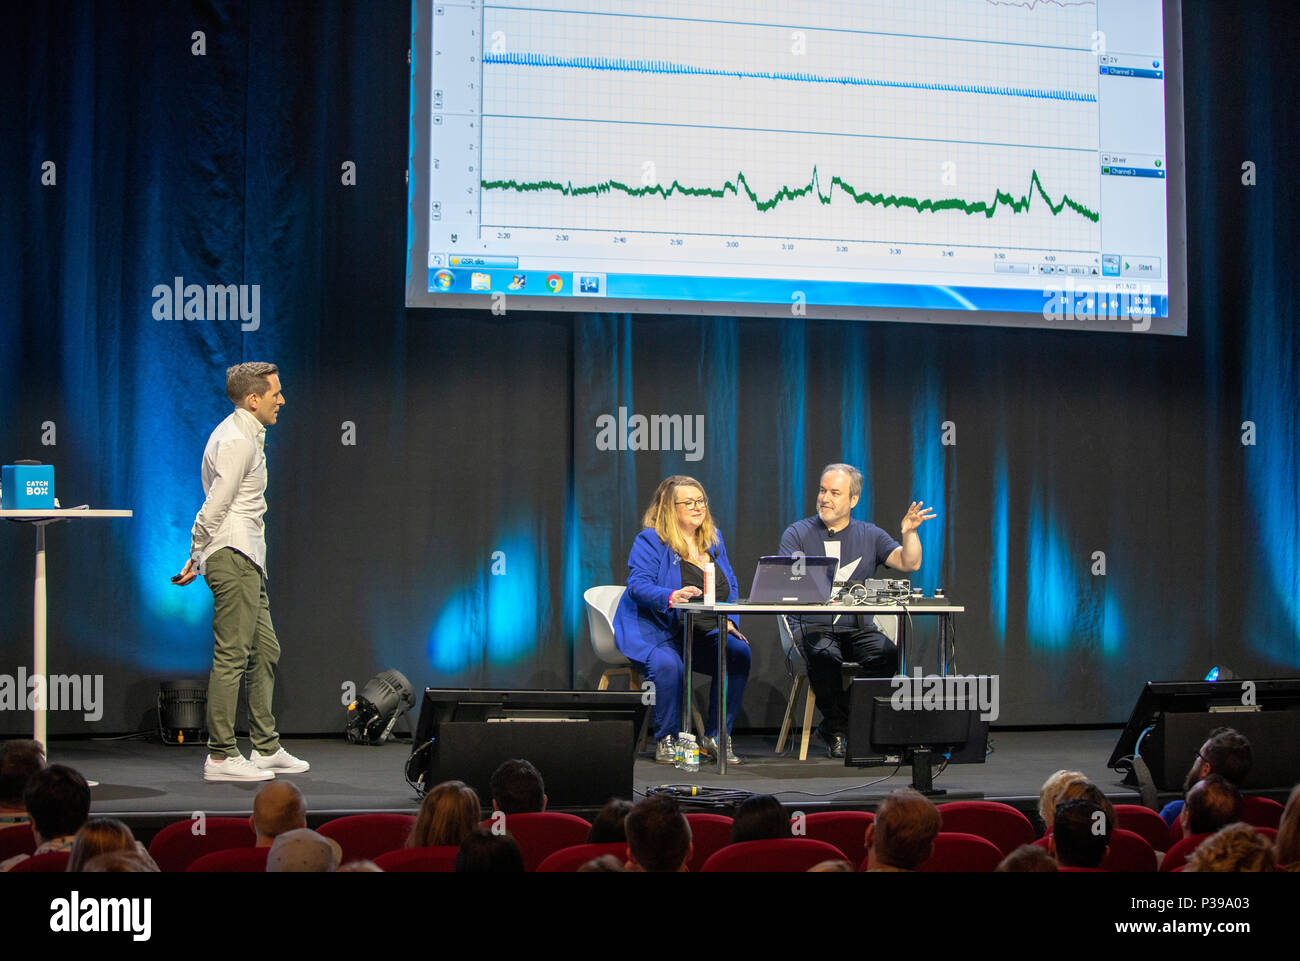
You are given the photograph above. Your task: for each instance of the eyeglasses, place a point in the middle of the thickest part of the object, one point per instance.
(690, 505)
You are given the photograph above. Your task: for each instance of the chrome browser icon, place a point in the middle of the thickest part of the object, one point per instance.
(554, 283)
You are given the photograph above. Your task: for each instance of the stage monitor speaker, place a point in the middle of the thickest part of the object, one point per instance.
(582, 742)
(863, 692)
(1172, 719)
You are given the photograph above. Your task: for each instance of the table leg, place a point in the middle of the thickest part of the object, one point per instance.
(943, 645)
(722, 694)
(38, 641)
(902, 644)
(688, 628)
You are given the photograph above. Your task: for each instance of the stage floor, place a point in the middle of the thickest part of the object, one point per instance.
(150, 784)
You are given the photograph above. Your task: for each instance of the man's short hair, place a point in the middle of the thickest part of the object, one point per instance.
(19, 760)
(1235, 847)
(1229, 754)
(279, 807)
(1082, 833)
(855, 477)
(517, 787)
(58, 799)
(249, 378)
(1212, 802)
(484, 852)
(658, 834)
(906, 824)
(1027, 859)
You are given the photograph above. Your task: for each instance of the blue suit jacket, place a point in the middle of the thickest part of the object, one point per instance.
(643, 620)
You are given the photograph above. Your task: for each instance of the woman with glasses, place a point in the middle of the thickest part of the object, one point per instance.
(665, 570)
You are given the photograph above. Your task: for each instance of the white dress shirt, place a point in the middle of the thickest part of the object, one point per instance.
(234, 480)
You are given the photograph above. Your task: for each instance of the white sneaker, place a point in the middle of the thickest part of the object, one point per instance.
(237, 768)
(281, 761)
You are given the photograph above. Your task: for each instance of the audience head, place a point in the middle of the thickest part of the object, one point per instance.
(1237, 847)
(450, 811)
(686, 529)
(1287, 845)
(834, 866)
(278, 807)
(658, 835)
(58, 800)
(360, 867)
(303, 851)
(100, 836)
(1080, 833)
(120, 862)
(607, 828)
(19, 760)
(1226, 753)
(1083, 788)
(1050, 793)
(903, 832)
(760, 817)
(1211, 803)
(605, 864)
(483, 852)
(1027, 859)
(517, 788)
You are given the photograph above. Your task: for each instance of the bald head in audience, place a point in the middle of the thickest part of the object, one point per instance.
(278, 807)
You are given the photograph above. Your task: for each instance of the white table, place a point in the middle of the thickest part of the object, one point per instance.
(42, 519)
(940, 608)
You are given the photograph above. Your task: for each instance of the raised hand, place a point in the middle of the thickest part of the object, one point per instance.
(916, 515)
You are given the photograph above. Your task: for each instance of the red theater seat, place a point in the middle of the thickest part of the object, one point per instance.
(847, 830)
(568, 860)
(432, 859)
(176, 846)
(543, 833)
(56, 862)
(709, 833)
(1000, 823)
(16, 840)
(962, 852)
(1145, 822)
(784, 855)
(364, 837)
(231, 861)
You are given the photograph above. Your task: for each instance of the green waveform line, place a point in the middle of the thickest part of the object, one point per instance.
(1000, 197)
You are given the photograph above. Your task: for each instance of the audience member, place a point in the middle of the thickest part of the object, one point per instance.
(834, 866)
(360, 867)
(607, 828)
(303, 850)
(1287, 846)
(1080, 833)
(104, 836)
(902, 835)
(120, 862)
(278, 807)
(760, 817)
(1050, 793)
(450, 811)
(1027, 859)
(58, 802)
(1234, 848)
(658, 836)
(483, 852)
(1226, 753)
(517, 788)
(19, 760)
(605, 864)
(1212, 803)
(1085, 789)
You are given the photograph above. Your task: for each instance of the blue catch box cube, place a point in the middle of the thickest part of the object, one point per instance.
(27, 488)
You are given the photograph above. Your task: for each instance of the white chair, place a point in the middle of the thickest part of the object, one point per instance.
(602, 602)
(888, 625)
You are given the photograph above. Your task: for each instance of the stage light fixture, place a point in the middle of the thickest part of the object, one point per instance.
(385, 697)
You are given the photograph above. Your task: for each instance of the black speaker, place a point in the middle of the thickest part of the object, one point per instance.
(582, 742)
(1172, 719)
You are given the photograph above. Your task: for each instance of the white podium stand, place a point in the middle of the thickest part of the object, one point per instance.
(42, 519)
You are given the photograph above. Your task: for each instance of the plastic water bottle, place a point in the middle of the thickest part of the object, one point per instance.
(710, 582)
(688, 753)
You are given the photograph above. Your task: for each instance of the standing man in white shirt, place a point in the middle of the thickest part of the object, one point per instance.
(228, 547)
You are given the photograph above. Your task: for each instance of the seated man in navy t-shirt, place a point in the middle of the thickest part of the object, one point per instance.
(827, 641)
